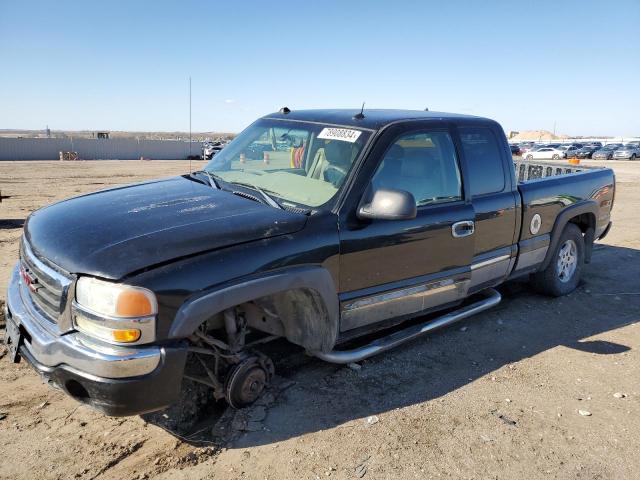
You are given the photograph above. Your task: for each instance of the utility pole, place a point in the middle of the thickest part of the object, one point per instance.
(190, 124)
(189, 115)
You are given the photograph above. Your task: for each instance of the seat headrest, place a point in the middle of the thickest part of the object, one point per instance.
(338, 153)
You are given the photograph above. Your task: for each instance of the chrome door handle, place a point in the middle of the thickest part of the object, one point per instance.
(463, 229)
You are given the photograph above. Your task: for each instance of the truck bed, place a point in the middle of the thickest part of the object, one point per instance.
(547, 189)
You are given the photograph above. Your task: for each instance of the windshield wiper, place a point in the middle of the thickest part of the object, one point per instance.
(269, 200)
(213, 179)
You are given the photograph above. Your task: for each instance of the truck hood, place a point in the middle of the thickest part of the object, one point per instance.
(115, 232)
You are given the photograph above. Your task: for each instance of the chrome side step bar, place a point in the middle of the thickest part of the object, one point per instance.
(398, 338)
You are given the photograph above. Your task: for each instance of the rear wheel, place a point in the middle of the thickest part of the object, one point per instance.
(633, 157)
(529, 157)
(556, 156)
(563, 272)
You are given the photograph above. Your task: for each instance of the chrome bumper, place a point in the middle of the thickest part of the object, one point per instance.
(74, 351)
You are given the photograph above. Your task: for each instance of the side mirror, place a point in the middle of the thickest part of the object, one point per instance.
(389, 205)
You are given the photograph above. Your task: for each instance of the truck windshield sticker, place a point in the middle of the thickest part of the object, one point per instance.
(344, 134)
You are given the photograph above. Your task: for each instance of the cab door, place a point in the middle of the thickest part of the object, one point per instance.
(395, 268)
(495, 202)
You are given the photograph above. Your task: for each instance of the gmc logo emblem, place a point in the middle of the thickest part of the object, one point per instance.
(29, 280)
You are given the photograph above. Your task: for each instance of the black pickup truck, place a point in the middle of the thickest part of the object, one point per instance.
(320, 227)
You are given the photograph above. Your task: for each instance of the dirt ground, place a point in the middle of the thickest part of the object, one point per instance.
(497, 396)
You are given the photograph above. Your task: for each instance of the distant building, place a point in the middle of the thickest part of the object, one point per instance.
(102, 134)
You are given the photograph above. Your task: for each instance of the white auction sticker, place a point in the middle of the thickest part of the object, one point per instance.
(344, 134)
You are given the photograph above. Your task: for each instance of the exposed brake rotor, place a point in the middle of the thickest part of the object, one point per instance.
(247, 380)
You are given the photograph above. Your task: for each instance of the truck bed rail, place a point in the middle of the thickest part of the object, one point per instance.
(526, 170)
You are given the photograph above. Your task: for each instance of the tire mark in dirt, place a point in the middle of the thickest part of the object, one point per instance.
(113, 462)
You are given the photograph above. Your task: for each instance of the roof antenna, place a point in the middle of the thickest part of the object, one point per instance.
(426, 109)
(359, 116)
(285, 110)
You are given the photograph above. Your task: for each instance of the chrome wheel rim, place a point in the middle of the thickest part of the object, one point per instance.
(567, 261)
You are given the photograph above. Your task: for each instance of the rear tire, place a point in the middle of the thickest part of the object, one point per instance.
(562, 275)
(633, 157)
(556, 157)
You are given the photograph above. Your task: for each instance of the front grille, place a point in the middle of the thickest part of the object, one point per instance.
(48, 288)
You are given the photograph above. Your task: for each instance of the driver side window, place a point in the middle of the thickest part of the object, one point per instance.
(424, 164)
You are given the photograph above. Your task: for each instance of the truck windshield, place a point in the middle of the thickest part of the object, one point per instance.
(299, 162)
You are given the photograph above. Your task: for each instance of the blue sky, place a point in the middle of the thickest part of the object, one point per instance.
(124, 65)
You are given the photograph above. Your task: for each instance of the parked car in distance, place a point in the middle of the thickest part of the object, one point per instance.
(569, 150)
(586, 151)
(545, 153)
(527, 147)
(606, 152)
(515, 149)
(629, 151)
(209, 149)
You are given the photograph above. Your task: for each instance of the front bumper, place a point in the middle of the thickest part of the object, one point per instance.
(115, 380)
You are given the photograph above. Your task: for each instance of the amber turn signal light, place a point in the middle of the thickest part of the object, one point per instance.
(133, 303)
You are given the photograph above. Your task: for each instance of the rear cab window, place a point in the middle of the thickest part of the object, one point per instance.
(484, 160)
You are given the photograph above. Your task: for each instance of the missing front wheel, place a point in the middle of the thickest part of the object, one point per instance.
(233, 371)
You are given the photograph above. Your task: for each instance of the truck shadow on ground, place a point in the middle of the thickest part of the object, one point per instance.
(311, 395)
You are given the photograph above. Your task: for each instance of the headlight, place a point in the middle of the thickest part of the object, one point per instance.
(114, 312)
(115, 299)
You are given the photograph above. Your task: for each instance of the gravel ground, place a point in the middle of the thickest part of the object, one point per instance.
(537, 387)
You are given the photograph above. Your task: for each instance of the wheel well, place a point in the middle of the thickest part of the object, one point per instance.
(304, 297)
(584, 221)
(298, 314)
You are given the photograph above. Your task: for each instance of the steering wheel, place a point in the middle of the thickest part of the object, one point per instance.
(336, 174)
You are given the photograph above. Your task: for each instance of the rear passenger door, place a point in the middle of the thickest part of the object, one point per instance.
(392, 268)
(494, 201)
